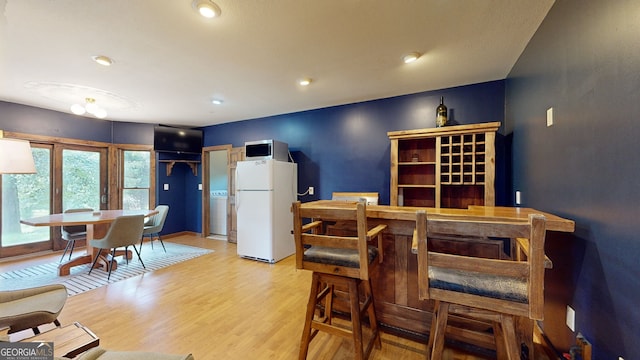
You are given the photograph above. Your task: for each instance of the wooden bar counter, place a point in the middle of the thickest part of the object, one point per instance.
(395, 286)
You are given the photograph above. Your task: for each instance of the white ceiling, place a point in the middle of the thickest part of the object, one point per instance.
(170, 62)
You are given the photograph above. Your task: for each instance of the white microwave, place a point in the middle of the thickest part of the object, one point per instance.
(266, 150)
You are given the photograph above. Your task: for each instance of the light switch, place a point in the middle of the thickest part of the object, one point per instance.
(166, 187)
(571, 318)
(199, 186)
(549, 116)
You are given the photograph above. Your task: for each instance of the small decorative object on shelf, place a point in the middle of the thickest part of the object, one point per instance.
(441, 113)
(414, 158)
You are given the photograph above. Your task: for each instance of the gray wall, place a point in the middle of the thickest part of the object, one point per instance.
(584, 61)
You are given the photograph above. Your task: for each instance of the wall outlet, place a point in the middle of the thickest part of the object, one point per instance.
(166, 187)
(311, 190)
(518, 198)
(199, 186)
(571, 318)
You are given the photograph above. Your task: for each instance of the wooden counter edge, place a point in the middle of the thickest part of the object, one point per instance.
(407, 213)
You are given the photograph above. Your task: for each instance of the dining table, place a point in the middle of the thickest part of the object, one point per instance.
(97, 223)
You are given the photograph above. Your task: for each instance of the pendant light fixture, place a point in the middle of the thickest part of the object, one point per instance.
(89, 107)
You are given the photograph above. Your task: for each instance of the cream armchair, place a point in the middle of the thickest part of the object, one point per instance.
(30, 308)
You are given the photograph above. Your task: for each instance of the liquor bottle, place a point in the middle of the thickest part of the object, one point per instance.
(441, 113)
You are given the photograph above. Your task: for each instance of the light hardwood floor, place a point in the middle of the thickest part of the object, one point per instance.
(217, 306)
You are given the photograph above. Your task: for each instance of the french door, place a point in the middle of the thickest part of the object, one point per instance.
(68, 176)
(81, 178)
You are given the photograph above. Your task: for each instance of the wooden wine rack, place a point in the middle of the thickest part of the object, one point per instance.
(451, 166)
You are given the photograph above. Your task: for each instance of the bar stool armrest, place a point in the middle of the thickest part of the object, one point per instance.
(377, 232)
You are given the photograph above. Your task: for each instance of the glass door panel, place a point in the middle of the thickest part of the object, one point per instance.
(25, 196)
(81, 179)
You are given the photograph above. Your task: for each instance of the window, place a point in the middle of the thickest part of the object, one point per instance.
(136, 184)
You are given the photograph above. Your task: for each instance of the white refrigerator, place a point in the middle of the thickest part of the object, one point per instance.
(265, 190)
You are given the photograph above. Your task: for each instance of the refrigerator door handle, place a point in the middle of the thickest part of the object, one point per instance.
(236, 203)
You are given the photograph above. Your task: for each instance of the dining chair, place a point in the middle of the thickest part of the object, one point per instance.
(29, 308)
(493, 291)
(72, 233)
(342, 266)
(124, 231)
(154, 226)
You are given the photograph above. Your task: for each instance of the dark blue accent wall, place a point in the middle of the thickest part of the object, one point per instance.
(342, 148)
(584, 61)
(183, 197)
(35, 121)
(132, 133)
(346, 148)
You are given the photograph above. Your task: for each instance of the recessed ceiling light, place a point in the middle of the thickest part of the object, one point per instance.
(206, 8)
(217, 101)
(411, 57)
(305, 81)
(102, 60)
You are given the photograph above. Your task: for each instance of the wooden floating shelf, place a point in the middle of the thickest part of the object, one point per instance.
(193, 164)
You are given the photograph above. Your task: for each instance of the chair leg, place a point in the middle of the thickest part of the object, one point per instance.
(70, 244)
(432, 331)
(73, 245)
(356, 324)
(327, 313)
(509, 337)
(311, 308)
(371, 311)
(94, 261)
(440, 314)
(139, 258)
(162, 243)
(498, 337)
(113, 258)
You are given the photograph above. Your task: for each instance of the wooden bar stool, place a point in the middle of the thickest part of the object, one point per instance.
(342, 267)
(494, 291)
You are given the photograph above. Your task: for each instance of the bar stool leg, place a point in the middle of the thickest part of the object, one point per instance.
(436, 338)
(371, 311)
(354, 301)
(311, 307)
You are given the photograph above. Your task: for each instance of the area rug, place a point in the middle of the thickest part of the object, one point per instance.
(80, 281)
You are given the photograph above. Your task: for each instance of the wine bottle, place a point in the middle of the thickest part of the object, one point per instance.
(441, 113)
